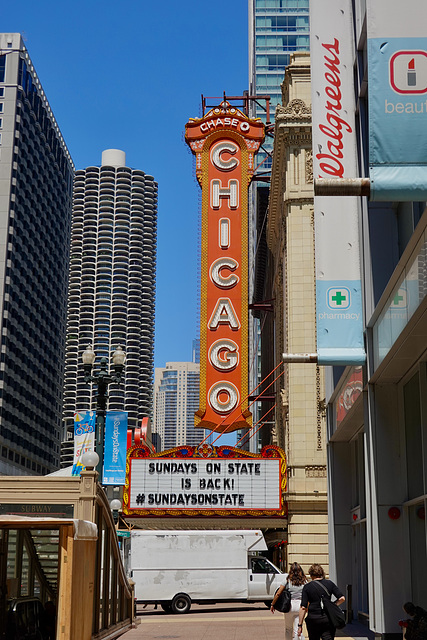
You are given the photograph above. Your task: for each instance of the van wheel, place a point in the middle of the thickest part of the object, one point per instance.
(181, 603)
(166, 607)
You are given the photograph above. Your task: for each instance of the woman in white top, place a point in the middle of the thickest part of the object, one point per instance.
(294, 581)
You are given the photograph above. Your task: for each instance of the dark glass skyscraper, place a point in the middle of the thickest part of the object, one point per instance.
(36, 176)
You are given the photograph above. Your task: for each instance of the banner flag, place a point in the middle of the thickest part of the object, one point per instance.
(115, 448)
(338, 275)
(397, 80)
(84, 438)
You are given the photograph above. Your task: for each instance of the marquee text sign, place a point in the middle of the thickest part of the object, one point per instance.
(205, 480)
(224, 142)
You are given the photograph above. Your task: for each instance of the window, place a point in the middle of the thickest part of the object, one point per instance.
(413, 432)
(2, 68)
(260, 565)
(1, 107)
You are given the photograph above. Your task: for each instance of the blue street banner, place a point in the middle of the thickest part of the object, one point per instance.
(339, 313)
(115, 448)
(84, 438)
(397, 80)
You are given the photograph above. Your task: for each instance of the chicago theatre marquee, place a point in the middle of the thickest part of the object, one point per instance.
(208, 482)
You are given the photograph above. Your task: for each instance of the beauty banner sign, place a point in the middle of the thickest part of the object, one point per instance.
(84, 438)
(224, 142)
(338, 272)
(115, 448)
(205, 481)
(397, 80)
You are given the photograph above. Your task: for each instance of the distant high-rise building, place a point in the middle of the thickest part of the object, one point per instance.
(176, 399)
(277, 28)
(196, 350)
(36, 177)
(112, 284)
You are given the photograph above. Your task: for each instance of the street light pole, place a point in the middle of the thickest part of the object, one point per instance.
(102, 379)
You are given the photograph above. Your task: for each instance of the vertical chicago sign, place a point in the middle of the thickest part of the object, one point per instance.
(224, 142)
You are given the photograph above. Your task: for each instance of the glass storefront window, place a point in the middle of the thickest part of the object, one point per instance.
(402, 303)
(413, 437)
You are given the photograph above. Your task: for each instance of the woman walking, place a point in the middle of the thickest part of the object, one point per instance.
(318, 625)
(295, 582)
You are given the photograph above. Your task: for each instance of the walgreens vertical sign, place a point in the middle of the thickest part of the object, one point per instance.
(330, 155)
(338, 277)
(224, 142)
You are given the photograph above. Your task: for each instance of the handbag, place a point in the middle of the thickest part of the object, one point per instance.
(283, 602)
(334, 614)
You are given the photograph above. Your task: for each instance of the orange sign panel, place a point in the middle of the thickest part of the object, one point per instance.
(224, 142)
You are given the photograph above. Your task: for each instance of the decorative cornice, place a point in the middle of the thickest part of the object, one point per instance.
(295, 110)
(299, 138)
(299, 200)
(292, 129)
(315, 471)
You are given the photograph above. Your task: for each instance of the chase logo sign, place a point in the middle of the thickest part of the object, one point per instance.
(408, 72)
(338, 298)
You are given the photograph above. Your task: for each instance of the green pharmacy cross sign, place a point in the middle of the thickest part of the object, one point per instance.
(339, 298)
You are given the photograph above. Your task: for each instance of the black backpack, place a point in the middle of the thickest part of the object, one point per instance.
(283, 602)
(334, 614)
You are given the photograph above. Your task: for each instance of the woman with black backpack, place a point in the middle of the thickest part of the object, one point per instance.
(314, 594)
(294, 583)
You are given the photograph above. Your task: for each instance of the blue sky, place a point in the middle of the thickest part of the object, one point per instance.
(129, 76)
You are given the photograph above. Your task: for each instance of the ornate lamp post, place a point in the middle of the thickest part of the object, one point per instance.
(115, 506)
(102, 379)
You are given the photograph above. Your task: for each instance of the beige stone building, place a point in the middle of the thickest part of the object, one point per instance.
(300, 414)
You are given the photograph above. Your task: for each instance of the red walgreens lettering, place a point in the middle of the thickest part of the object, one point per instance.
(330, 163)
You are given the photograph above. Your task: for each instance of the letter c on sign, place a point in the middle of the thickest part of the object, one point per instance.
(219, 162)
(224, 355)
(224, 282)
(223, 397)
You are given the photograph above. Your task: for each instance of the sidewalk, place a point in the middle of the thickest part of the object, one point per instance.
(223, 622)
(355, 630)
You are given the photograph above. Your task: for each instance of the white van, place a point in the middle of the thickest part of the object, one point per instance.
(176, 568)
